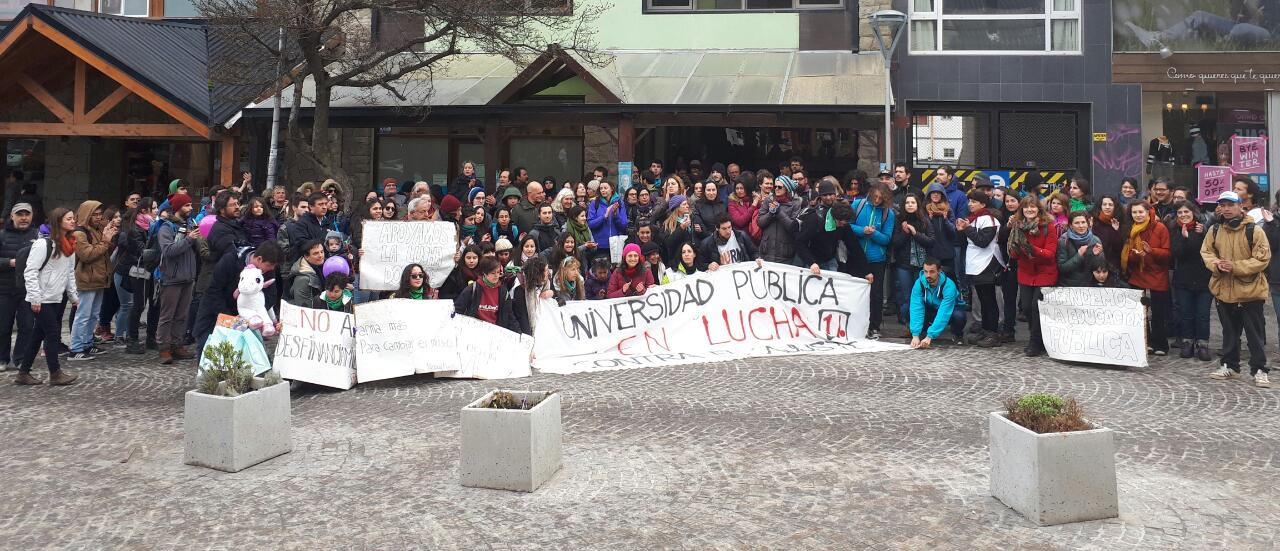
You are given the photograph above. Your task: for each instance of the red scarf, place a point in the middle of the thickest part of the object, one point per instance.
(973, 216)
(67, 245)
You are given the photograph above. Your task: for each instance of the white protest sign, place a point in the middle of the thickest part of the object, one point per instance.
(1095, 325)
(400, 337)
(390, 246)
(316, 346)
(738, 311)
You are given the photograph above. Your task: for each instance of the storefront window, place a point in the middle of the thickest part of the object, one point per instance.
(25, 156)
(419, 159)
(1197, 129)
(152, 165)
(180, 8)
(560, 158)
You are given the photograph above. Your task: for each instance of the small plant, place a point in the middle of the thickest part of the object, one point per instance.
(1046, 413)
(506, 400)
(228, 373)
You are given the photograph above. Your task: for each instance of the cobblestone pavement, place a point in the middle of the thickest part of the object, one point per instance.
(866, 451)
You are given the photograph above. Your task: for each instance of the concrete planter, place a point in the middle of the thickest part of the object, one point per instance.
(233, 434)
(510, 449)
(1053, 478)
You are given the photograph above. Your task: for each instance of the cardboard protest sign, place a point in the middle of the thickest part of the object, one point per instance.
(1213, 181)
(1095, 325)
(1248, 155)
(316, 346)
(738, 311)
(390, 246)
(400, 337)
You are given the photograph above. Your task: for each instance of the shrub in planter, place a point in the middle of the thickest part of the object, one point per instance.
(1049, 463)
(511, 440)
(234, 420)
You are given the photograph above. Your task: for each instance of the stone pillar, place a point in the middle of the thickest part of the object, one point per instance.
(600, 148)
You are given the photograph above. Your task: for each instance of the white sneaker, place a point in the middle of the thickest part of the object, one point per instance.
(1261, 381)
(6, 367)
(1223, 374)
(1147, 38)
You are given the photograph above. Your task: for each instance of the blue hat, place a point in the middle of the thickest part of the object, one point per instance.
(674, 202)
(786, 182)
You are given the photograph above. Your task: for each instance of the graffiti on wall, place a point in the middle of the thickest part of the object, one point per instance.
(1118, 157)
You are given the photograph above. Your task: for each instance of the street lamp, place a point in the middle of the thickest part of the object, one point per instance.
(887, 26)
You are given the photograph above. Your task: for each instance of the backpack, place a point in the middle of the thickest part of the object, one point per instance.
(20, 263)
(1248, 235)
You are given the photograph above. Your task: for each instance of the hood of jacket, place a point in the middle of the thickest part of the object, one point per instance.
(932, 187)
(84, 211)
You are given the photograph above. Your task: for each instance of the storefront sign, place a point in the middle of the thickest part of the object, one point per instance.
(1234, 77)
(738, 311)
(1248, 155)
(1213, 180)
(1095, 325)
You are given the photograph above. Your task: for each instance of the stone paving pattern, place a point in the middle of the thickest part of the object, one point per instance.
(865, 451)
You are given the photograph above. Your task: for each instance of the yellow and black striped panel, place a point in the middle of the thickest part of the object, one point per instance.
(1046, 181)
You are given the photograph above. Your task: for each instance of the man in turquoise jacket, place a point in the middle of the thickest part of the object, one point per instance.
(934, 303)
(873, 220)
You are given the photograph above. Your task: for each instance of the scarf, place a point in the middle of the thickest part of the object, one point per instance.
(1105, 218)
(67, 245)
(1078, 239)
(336, 304)
(1134, 242)
(468, 230)
(1019, 234)
(938, 208)
(144, 221)
(974, 216)
(469, 274)
(416, 294)
(485, 282)
(581, 233)
(830, 222)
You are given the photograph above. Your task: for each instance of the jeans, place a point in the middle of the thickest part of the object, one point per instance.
(877, 296)
(1028, 297)
(1246, 316)
(1193, 313)
(125, 314)
(86, 320)
(905, 277)
(829, 266)
(956, 324)
(110, 305)
(14, 309)
(174, 302)
(46, 329)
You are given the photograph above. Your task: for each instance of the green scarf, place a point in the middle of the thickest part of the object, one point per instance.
(337, 304)
(581, 233)
(416, 294)
(831, 221)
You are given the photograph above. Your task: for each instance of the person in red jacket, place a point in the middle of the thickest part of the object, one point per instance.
(1144, 259)
(633, 277)
(1033, 242)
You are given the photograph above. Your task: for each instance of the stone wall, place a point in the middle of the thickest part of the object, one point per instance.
(600, 148)
(866, 34)
(67, 172)
(356, 145)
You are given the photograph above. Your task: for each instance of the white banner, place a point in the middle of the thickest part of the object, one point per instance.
(400, 337)
(1095, 325)
(738, 311)
(390, 246)
(316, 346)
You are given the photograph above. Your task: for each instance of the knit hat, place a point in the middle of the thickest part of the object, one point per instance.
(980, 179)
(503, 244)
(786, 182)
(594, 184)
(650, 248)
(388, 180)
(674, 202)
(174, 185)
(471, 194)
(826, 187)
(718, 167)
(178, 200)
(450, 204)
(631, 248)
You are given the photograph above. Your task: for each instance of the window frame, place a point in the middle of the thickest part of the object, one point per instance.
(1048, 17)
(796, 6)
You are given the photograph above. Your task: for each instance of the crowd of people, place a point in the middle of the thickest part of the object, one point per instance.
(967, 259)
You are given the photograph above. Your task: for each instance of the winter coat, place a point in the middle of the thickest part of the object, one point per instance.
(1040, 268)
(640, 215)
(545, 235)
(902, 241)
(705, 215)
(1272, 230)
(525, 215)
(675, 240)
(642, 276)
(874, 246)
(778, 224)
(1247, 281)
(1111, 239)
(1151, 272)
(56, 279)
(941, 297)
(1075, 269)
(603, 227)
(11, 241)
(129, 245)
(816, 245)
(1189, 271)
(295, 234)
(596, 289)
(226, 235)
(305, 285)
(93, 253)
(258, 230)
(512, 314)
(709, 249)
(741, 213)
(957, 199)
(178, 254)
(511, 232)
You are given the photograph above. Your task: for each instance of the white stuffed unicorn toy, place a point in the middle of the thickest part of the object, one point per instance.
(251, 302)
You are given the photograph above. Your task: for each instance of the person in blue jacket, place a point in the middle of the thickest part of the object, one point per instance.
(933, 306)
(607, 217)
(873, 219)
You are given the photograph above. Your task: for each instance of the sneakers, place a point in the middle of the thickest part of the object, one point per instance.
(26, 378)
(62, 378)
(1223, 373)
(1261, 380)
(6, 366)
(1202, 353)
(97, 350)
(1147, 38)
(79, 356)
(1160, 352)
(873, 335)
(1188, 349)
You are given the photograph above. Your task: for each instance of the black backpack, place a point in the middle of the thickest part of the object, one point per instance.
(1248, 235)
(20, 263)
(149, 260)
